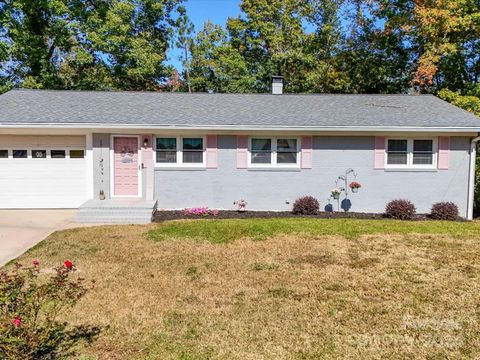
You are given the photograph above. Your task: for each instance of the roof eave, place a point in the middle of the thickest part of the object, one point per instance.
(451, 129)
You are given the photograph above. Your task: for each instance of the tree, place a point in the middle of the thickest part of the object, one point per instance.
(40, 32)
(216, 65)
(269, 35)
(185, 29)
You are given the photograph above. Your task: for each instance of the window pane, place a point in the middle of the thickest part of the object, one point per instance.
(397, 158)
(166, 143)
(19, 154)
(192, 144)
(397, 145)
(423, 145)
(166, 156)
(39, 154)
(77, 154)
(193, 157)
(3, 154)
(261, 144)
(289, 145)
(57, 154)
(287, 158)
(261, 158)
(422, 158)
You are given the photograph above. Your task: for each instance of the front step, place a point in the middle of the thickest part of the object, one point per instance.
(116, 211)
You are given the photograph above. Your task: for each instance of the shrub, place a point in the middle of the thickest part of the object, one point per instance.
(444, 211)
(30, 306)
(306, 205)
(400, 209)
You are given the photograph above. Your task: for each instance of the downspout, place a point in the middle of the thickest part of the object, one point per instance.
(471, 177)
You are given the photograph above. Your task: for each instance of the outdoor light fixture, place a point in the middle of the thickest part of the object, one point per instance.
(145, 143)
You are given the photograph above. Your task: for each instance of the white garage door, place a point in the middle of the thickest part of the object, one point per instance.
(42, 171)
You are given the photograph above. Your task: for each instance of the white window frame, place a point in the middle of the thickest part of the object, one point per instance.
(274, 163)
(409, 164)
(180, 163)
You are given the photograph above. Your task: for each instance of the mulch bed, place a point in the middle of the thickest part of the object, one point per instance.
(163, 215)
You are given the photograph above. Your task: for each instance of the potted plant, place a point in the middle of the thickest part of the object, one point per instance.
(355, 186)
(336, 193)
(241, 205)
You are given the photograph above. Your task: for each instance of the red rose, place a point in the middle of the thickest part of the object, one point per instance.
(17, 321)
(68, 264)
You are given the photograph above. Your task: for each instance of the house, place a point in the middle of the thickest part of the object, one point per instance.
(140, 150)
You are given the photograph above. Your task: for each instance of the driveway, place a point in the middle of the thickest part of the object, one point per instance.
(22, 229)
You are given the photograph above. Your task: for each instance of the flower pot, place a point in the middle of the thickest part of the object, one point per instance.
(355, 190)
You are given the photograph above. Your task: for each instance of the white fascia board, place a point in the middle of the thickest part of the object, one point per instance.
(153, 127)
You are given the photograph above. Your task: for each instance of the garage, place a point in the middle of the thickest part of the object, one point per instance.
(42, 171)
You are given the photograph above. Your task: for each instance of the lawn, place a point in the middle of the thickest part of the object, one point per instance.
(276, 289)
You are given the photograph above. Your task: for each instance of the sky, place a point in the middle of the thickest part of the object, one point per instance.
(199, 11)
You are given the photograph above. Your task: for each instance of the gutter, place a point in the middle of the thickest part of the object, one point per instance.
(471, 177)
(240, 127)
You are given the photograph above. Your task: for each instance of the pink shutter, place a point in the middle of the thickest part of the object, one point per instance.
(443, 152)
(379, 152)
(307, 152)
(242, 152)
(212, 152)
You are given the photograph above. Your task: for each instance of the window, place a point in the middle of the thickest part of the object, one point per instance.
(3, 154)
(179, 151)
(261, 150)
(422, 152)
(287, 151)
(19, 154)
(167, 150)
(397, 152)
(77, 154)
(274, 152)
(57, 154)
(39, 154)
(193, 150)
(411, 153)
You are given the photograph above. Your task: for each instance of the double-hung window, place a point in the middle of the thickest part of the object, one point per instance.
(178, 151)
(274, 151)
(411, 153)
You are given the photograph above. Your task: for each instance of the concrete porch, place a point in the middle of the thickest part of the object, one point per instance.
(117, 211)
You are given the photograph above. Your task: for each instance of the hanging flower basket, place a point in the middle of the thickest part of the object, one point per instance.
(336, 193)
(355, 186)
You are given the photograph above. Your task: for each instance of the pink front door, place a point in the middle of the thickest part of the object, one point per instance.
(125, 163)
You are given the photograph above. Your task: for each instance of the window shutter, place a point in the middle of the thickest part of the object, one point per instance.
(212, 152)
(379, 152)
(242, 152)
(307, 152)
(443, 152)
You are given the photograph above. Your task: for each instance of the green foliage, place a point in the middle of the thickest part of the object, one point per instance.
(467, 102)
(30, 307)
(72, 44)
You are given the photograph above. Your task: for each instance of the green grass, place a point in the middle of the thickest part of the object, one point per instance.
(225, 231)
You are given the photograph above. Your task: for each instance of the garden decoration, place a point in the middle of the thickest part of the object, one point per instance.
(344, 181)
(241, 205)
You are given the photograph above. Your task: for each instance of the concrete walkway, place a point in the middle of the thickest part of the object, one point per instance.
(22, 229)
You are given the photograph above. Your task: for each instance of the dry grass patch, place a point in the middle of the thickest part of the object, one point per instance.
(292, 296)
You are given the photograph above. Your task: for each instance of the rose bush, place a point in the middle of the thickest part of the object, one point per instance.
(31, 303)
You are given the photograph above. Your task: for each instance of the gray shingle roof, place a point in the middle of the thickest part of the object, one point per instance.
(38, 107)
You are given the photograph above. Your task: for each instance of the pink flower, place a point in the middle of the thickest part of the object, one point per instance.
(17, 321)
(36, 263)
